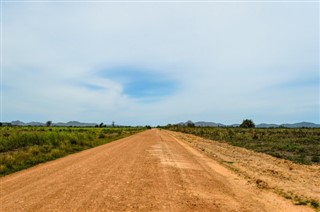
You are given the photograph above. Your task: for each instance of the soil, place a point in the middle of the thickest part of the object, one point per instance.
(158, 170)
(298, 182)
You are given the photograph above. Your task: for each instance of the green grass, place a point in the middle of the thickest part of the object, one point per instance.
(23, 147)
(299, 200)
(298, 145)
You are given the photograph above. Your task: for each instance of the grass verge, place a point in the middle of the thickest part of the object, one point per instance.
(297, 145)
(24, 147)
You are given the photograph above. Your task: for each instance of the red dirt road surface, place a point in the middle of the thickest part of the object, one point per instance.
(149, 171)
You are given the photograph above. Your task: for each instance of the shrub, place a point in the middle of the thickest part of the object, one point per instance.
(102, 135)
(315, 158)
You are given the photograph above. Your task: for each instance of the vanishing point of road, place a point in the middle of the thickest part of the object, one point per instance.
(149, 171)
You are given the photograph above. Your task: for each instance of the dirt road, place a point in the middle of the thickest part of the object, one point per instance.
(149, 171)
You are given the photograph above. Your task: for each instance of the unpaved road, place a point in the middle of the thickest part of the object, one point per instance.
(149, 171)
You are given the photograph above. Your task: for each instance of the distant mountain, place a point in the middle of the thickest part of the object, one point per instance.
(208, 124)
(35, 124)
(202, 124)
(18, 123)
(295, 125)
(75, 124)
(302, 124)
(181, 124)
(262, 125)
(198, 124)
(59, 124)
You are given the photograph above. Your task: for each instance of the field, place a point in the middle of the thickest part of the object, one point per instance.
(298, 145)
(23, 147)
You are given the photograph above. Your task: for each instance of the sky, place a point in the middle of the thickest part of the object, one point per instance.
(139, 63)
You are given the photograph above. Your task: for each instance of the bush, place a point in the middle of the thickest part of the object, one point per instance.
(315, 159)
(102, 135)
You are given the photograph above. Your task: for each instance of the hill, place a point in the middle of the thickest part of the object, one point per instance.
(262, 125)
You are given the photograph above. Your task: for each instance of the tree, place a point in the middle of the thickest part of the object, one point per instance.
(113, 124)
(190, 124)
(48, 123)
(101, 124)
(247, 123)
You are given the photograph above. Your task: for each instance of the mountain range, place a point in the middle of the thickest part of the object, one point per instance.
(262, 125)
(198, 124)
(59, 124)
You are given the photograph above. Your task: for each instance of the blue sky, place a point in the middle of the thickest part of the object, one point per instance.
(158, 63)
(142, 84)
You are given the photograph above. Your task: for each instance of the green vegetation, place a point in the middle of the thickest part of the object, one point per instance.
(299, 200)
(297, 145)
(23, 147)
(48, 123)
(247, 123)
(190, 124)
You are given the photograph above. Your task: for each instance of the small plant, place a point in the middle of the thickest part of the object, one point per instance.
(314, 204)
(301, 202)
(102, 135)
(73, 141)
(315, 159)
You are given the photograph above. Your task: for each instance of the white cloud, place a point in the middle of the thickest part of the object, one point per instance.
(228, 59)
